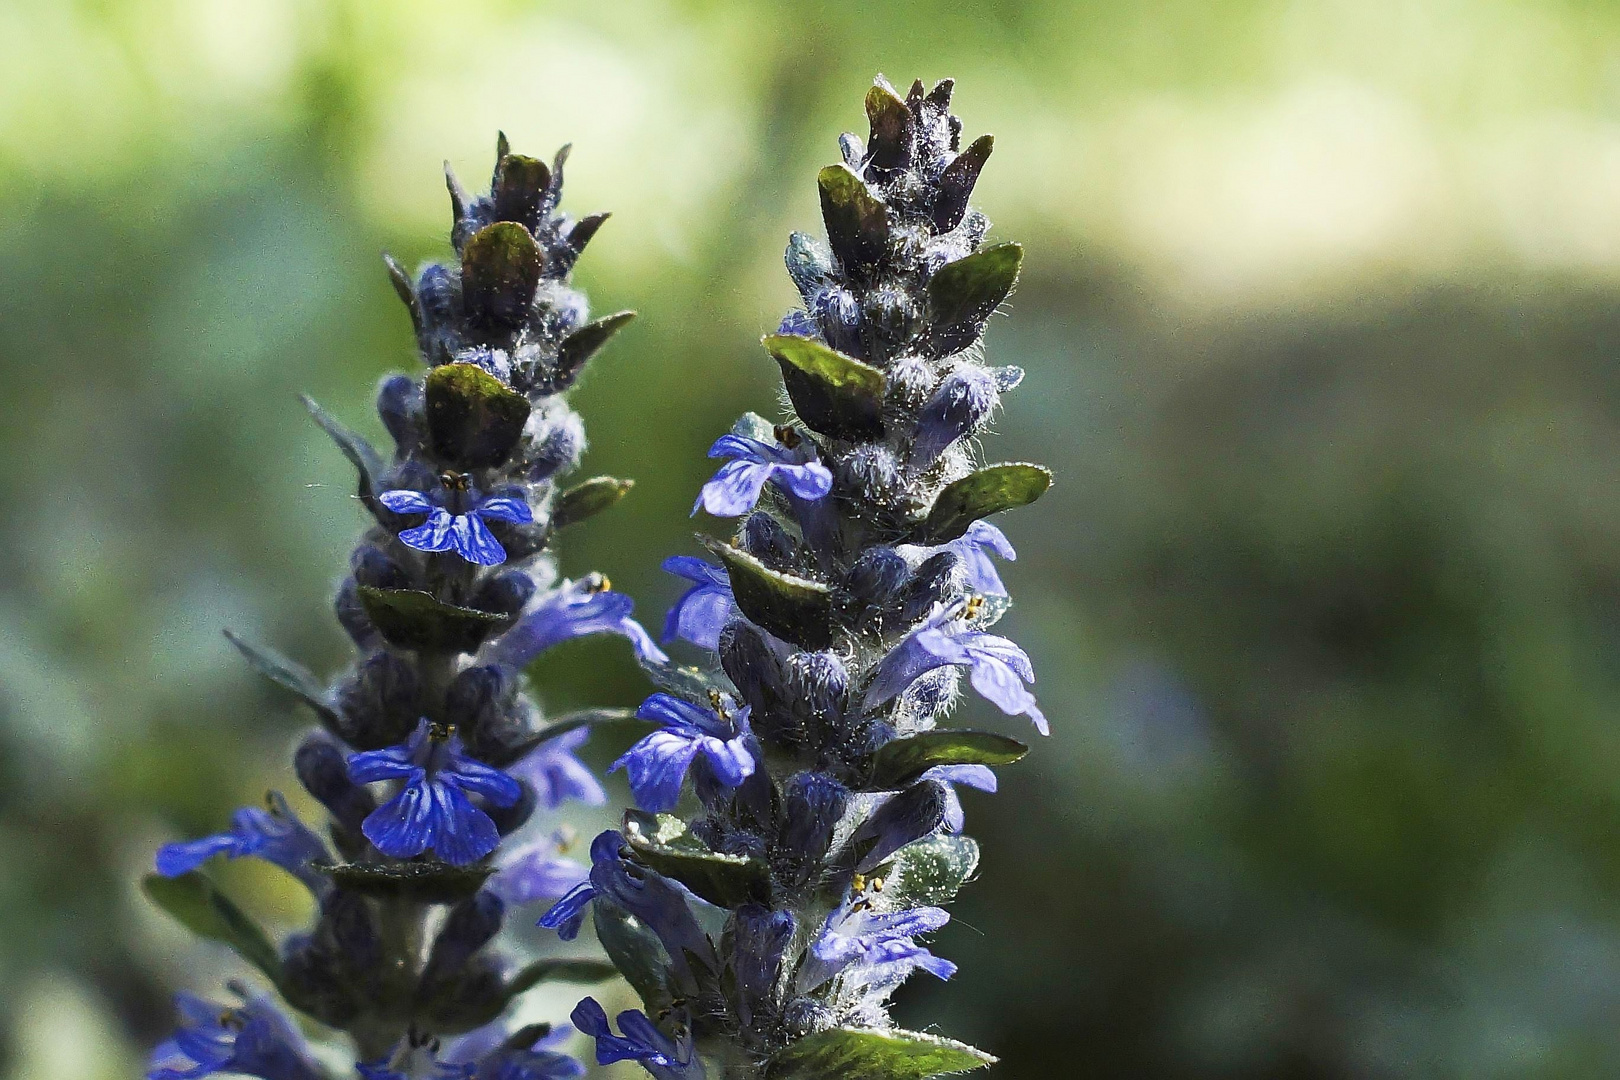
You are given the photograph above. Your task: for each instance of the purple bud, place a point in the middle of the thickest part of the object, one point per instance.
(963, 401)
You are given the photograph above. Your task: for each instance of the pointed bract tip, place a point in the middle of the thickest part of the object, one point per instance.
(941, 93)
(502, 146)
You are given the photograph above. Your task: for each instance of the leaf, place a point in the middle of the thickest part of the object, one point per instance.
(413, 619)
(636, 951)
(500, 271)
(900, 761)
(287, 674)
(473, 419)
(931, 870)
(422, 882)
(979, 494)
(588, 499)
(957, 181)
(864, 1054)
(890, 142)
(357, 450)
(519, 183)
(964, 293)
(834, 394)
(857, 220)
(793, 608)
(577, 348)
(200, 907)
(661, 842)
(559, 969)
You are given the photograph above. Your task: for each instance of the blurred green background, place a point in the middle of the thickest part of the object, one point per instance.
(1321, 313)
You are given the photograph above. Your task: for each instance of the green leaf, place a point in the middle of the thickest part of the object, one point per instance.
(964, 293)
(857, 220)
(422, 882)
(863, 1054)
(588, 499)
(500, 271)
(413, 619)
(834, 394)
(931, 871)
(636, 951)
(957, 181)
(287, 674)
(357, 450)
(900, 761)
(890, 142)
(577, 348)
(559, 969)
(661, 842)
(200, 907)
(473, 419)
(793, 608)
(980, 494)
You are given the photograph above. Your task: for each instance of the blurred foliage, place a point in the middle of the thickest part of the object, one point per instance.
(1320, 316)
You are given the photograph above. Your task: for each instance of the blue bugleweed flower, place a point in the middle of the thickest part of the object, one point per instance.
(875, 948)
(997, 667)
(640, 1042)
(574, 609)
(432, 810)
(736, 487)
(557, 775)
(252, 1039)
(703, 610)
(974, 548)
(665, 906)
(537, 871)
(463, 530)
(479, 1055)
(981, 777)
(658, 763)
(272, 833)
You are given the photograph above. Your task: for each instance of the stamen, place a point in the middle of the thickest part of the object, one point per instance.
(973, 607)
(787, 436)
(454, 481)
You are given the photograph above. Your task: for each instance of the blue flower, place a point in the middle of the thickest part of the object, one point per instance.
(573, 609)
(876, 948)
(963, 400)
(537, 871)
(974, 548)
(272, 833)
(664, 905)
(254, 1039)
(432, 810)
(642, 1042)
(463, 532)
(997, 667)
(974, 776)
(483, 1054)
(737, 486)
(704, 609)
(557, 775)
(657, 765)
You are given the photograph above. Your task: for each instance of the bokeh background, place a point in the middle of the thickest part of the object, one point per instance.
(1321, 316)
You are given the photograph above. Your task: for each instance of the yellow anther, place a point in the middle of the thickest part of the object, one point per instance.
(455, 481)
(858, 883)
(973, 607)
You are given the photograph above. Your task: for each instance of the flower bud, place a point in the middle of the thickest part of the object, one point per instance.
(963, 401)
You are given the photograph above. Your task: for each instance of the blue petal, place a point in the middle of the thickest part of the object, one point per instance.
(679, 715)
(736, 446)
(567, 914)
(504, 509)
(734, 489)
(480, 779)
(394, 763)
(809, 482)
(432, 535)
(406, 502)
(462, 833)
(657, 766)
(473, 541)
(403, 826)
(730, 759)
(176, 859)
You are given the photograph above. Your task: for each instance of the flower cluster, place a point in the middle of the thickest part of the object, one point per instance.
(766, 926)
(430, 756)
